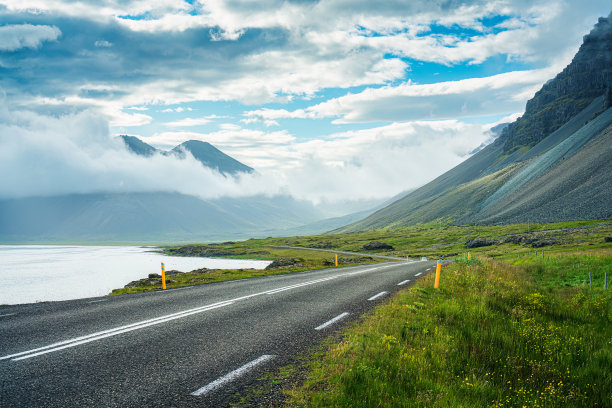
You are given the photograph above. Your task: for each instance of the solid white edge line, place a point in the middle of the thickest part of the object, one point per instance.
(115, 333)
(231, 375)
(376, 296)
(332, 321)
(98, 301)
(403, 282)
(100, 333)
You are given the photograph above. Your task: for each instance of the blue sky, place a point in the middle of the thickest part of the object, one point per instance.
(328, 100)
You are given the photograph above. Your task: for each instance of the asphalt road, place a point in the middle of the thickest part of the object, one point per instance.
(195, 346)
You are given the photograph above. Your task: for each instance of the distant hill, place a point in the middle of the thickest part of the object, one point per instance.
(203, 152)
(552, 164)
(148, 217)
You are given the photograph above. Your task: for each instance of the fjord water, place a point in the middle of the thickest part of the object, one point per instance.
(35, 273)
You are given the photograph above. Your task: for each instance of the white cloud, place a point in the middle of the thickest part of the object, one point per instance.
(496, 94)
(14, 37)
(187, 122)
(103, 44)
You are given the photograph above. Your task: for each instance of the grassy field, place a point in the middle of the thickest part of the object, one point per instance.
(521, 331)
(299, 260)
(433, 240)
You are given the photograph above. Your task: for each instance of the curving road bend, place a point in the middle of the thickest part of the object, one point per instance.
(193, 346)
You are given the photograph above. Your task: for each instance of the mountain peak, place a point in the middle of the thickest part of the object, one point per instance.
(587, 77)
(212, 157)
(135, 145)
(204, 152)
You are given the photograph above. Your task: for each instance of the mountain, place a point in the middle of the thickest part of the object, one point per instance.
(551, 164)
(587, 77)
(137, 146)
(203, 152)
(148, 217)
(211, 157)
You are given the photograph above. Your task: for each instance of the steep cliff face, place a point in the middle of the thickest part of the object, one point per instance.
(587, 77)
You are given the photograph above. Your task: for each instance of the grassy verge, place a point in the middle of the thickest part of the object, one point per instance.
(300, 261)
(519, 332)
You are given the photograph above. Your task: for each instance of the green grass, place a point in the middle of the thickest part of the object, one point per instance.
(525, 332)
(311, 261)
(434, 240)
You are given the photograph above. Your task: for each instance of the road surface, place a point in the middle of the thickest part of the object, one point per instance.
(194, 346)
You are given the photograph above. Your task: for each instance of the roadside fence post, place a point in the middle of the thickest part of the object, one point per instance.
(590, 281)
(163, 276)
(438, 268)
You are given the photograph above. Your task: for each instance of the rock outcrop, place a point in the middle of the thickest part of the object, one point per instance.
(587, 77)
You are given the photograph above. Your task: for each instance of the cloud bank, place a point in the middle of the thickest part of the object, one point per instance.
(76, 154)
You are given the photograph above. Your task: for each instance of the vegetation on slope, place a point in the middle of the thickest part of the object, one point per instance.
(523, 332)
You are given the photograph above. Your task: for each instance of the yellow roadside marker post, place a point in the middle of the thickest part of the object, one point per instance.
(336, 259)
(469, 256)
(407, 260)
(438, 268)
(163, 276)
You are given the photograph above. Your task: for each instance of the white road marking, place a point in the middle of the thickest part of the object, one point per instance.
(109, 333)
(417, 274)
(98, 301)
(231, 376)
(403, 282)
(173, 289)
(376, 296)
(162, 319)
(332, 321)
(8, 314)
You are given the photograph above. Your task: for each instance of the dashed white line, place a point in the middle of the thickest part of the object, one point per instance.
(376, 296)
(8, 314)
(403, 282)
(417, 274)
(231, 376)
(332, 321)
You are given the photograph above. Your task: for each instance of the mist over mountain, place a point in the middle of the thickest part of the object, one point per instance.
(164, 216)
(203, 152)
(211, 157)
(137, 146)
(552, 164)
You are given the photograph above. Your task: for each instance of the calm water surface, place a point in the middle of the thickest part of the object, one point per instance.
(35, 273)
